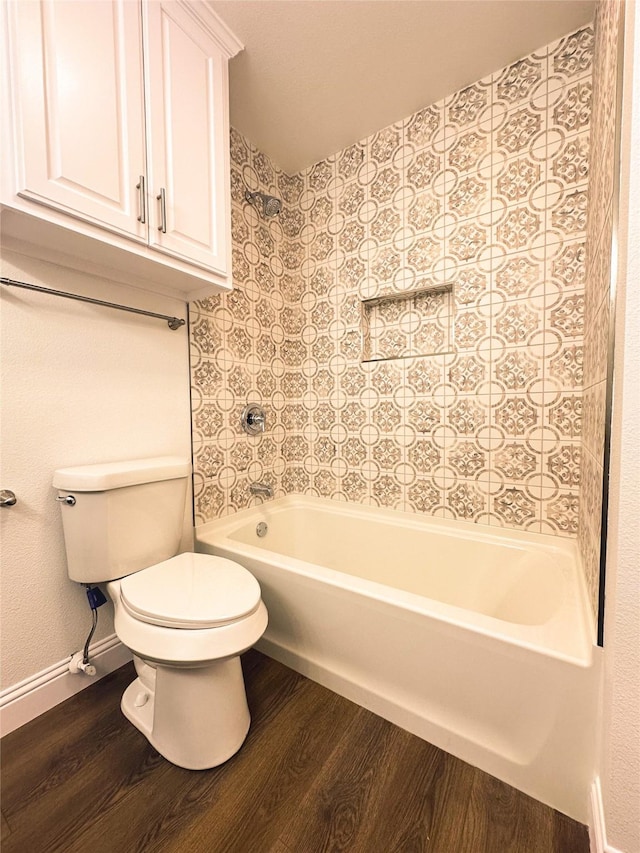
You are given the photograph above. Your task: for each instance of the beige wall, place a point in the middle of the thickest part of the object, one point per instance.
(80, 384)
(620, 732)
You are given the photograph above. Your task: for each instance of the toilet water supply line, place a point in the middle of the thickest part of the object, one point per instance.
(80, 660)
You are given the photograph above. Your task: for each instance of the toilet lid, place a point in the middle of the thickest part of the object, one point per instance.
(191, 591)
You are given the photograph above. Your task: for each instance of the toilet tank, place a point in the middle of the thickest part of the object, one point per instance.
(127, 515)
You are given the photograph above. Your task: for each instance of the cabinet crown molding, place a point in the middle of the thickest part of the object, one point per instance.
(204, 15)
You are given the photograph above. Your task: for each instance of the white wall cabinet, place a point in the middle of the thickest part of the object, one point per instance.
(119, 136)
(186, 99)
(78, 88)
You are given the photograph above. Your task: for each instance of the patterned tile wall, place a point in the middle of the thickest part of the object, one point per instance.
(484, 193)
(235, 342)
(599, 238)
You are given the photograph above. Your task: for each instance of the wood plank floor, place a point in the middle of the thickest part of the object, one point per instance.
(316, 773)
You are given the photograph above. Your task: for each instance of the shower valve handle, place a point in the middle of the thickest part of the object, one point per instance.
(253, 419)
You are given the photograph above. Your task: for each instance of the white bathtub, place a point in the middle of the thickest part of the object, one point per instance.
(472, 638)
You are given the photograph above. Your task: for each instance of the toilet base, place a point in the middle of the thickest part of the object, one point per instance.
(195, 718)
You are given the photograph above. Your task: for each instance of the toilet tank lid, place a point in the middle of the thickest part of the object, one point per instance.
(115, 475)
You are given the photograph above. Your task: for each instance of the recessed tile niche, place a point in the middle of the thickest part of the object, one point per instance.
(406, 325)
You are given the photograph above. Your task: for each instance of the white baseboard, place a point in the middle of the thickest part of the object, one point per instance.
(44, 690)
(597, 826)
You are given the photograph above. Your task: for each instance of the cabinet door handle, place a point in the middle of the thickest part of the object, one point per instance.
(142, 199)
(163, 211)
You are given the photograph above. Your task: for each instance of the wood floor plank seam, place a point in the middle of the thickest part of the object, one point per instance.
(6, 827)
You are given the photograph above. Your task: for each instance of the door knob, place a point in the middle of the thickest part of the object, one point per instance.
(7, 498)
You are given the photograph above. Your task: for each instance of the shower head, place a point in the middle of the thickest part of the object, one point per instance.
(269, 205)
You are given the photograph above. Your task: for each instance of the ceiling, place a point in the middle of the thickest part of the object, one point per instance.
(317, 75)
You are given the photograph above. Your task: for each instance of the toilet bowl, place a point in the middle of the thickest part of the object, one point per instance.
(186, 618)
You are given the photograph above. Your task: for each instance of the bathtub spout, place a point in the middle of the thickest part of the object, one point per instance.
(264, 490)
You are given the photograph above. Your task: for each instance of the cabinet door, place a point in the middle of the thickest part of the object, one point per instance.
(187, 136)
(80, 109)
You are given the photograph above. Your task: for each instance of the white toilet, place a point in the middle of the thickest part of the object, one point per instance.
(186, 618)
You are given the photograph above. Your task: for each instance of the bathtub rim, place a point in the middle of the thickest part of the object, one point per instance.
(216, 533)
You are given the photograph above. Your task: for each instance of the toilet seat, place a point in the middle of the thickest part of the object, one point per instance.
(191, 591)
